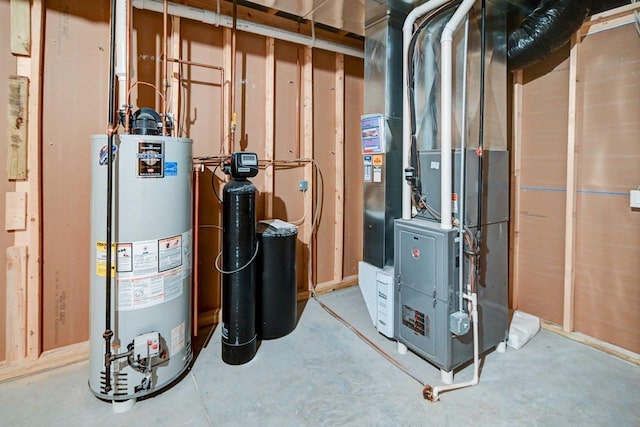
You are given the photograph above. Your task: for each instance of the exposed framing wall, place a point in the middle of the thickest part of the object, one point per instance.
(292, 101)
(575, 158)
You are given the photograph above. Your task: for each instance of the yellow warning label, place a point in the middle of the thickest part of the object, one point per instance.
(101, 259)
(377, 160)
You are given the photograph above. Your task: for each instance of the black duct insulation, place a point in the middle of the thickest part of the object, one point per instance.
(548, 27)
(545, 30)
(239, 337)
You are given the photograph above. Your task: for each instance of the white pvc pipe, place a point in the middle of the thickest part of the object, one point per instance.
(121, 50)
(407, 33)
(446, 95)
(213, 18)
(476, 355)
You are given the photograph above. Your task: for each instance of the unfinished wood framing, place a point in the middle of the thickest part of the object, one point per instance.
(309, 169)
(581, 194)
(16, 299)
(174, 79)
(269, 125)
(339, 170)
(74, 43)
(48, 360)
(16, 211)
(21, 27)
(31, 236)
(570, 208)
(516, 165)
(17, 129)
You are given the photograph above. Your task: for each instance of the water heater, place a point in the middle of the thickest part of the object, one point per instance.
(152, 263)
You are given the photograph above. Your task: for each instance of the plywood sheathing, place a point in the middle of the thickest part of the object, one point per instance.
(542, 182)
(76, 61)
(353, 101)
(607, 294)
(593, 289)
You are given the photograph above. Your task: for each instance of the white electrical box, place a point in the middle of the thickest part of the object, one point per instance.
(635, 198)
(147, 345)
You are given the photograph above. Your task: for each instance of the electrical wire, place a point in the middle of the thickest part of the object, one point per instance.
(216, 263)
(213, 180)
(366, 339)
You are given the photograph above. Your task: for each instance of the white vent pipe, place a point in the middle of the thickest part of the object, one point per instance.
(210, 17)
(121, 50)
(407, 34)
(446, 110)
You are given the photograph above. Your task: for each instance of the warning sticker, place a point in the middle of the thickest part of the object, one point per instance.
(169, 253)
(149, 272)
(145, 257)
(125, 258)
(377, 174)
(177, 339)
(101, 259)
(377, 160)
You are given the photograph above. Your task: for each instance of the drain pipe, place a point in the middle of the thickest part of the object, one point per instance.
(446, 95)
(433, 393)
(407, 33)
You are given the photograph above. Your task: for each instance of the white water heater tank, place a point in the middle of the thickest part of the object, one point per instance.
(152, 264)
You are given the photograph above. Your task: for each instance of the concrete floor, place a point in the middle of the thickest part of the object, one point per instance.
(322, 374)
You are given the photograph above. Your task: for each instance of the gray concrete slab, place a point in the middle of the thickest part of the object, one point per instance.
(322, 374)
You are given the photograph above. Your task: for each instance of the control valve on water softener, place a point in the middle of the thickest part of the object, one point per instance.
(242, 165)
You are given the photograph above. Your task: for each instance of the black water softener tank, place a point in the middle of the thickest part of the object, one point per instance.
(239, 246)
(276, 279)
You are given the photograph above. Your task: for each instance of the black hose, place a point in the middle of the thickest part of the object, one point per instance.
(108, 333)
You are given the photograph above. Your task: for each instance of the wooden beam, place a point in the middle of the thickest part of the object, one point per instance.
(21, 27)
(16, 298)
(16, 211)
(307, 153)
(17, 114)
(335, 285)
(570, 205)
(269, 126)
(30, 237)
(49, 360)
(610, 15)
(593, 343)
(516, 166)
(338, 254)
(175, 74)
(226, 60)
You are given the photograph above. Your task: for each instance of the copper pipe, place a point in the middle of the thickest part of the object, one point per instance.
(211, 67)
(197, 64)
(164, 66)
(196, 235)
(127, 63)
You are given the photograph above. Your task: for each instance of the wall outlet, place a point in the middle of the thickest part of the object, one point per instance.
(635, 198)
(303, 185)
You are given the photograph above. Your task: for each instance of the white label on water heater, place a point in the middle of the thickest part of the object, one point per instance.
(177, 339)
(157, 269)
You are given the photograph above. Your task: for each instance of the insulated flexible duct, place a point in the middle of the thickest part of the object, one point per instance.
(545, 30)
